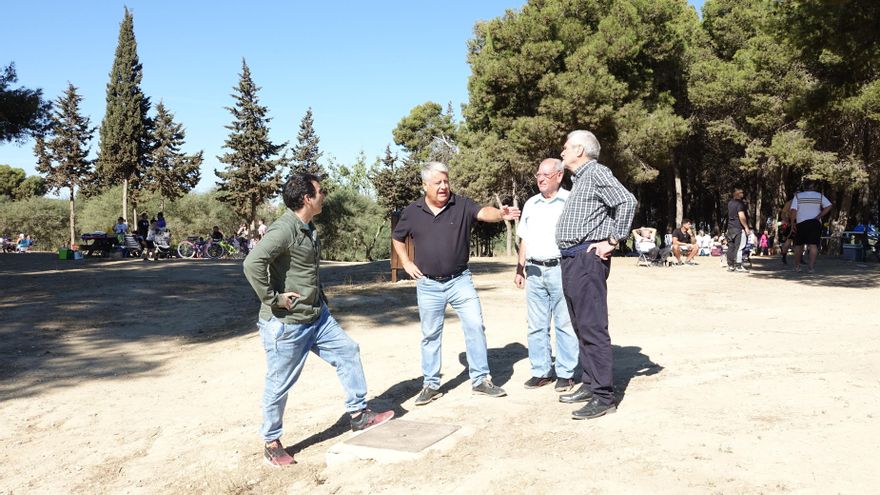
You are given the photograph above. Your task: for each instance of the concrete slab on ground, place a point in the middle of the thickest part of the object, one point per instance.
(395, 441)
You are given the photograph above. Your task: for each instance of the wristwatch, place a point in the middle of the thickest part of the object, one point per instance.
(612, 240)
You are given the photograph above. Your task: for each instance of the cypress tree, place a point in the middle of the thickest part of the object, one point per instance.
(122, 155)
(172, 172)
(251, 175)
(306, 152)
(63, 157)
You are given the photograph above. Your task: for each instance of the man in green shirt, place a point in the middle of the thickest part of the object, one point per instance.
(294, 319)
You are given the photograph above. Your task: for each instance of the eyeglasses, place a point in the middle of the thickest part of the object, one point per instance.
(540, 175)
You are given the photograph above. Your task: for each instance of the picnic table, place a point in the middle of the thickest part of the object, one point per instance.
(101, 244)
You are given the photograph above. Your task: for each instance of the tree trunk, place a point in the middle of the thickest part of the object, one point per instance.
(679, 200)
(507, 228)
(759, 197)
(72, 218)
(845, 205)
(124, 198)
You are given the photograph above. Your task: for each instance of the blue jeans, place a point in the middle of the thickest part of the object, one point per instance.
(544, 299)
(462, 296)
(288, 345)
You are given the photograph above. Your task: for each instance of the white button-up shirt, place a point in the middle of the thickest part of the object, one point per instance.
(537, 225)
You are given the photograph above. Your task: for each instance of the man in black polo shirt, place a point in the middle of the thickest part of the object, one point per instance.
(440, 226)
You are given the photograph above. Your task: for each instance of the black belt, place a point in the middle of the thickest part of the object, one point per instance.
(445, 278)
(550, 262)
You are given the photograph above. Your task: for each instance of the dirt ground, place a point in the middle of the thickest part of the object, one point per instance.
(133, 377)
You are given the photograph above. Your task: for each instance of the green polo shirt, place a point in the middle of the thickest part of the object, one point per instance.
(286, 260)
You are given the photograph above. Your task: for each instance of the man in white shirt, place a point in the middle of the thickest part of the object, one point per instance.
(540, 272)
(807, 209)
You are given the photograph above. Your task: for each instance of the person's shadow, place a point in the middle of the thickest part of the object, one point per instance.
(501, 363)
(629, 362)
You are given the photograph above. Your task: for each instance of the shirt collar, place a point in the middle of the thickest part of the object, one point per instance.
(561, 195)
(581, 170)
(424, 206)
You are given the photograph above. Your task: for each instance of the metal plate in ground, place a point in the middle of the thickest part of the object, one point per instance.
(406, 436)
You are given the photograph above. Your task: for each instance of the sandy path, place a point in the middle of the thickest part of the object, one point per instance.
(128, 377)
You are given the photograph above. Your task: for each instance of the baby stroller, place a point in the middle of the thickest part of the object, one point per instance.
(747, 255)
(163, 245)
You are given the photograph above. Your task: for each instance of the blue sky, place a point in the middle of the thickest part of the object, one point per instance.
(361, 66)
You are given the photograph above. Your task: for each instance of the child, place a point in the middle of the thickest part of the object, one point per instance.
(764, 244)
(120, 229)
(151, 242)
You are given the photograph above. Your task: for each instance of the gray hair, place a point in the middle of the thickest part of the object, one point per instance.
(557, 163)
(588, 140)
(432, 168)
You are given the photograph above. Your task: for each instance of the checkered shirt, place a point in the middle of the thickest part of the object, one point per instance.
(597, 207)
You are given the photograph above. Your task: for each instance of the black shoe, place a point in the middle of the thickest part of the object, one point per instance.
(564, 384)
(427, 395)
(593, 409)
(537, 381)
(582, 394)
(486, 387)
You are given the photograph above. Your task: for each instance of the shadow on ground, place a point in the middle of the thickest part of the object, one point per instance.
(501, 363)
(630, 362)
(64, 321)
(830, 272)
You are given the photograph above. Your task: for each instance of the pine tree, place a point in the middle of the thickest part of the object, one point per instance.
(396, 185)
(124, 148)
(251, 175)
(306, 152)
(63, 157)
(172, 173)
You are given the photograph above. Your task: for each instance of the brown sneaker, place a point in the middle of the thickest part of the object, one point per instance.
(368, 419)
(275, 455)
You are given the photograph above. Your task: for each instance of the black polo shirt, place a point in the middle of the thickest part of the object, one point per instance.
(442, 242)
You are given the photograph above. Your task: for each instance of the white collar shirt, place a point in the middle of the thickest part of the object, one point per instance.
(537, 225)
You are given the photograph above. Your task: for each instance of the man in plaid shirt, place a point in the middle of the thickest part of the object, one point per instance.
(597, 215)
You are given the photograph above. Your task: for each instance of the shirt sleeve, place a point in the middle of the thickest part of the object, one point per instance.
(825, 202)
(615, 196)
(794, 202)
(403, 227)
(522, 227)
(256, 265)
(472, 207)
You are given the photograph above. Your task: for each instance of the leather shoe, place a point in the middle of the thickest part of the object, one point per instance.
(582, 394)
(594, 409)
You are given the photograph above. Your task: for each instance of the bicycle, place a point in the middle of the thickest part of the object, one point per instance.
(197, 247)
(231, 248)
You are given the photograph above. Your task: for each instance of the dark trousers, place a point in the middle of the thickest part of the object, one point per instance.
(734, 237)
(584, 277)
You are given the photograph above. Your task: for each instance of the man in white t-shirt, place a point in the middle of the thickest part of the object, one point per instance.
(540, 272)
(807, 209)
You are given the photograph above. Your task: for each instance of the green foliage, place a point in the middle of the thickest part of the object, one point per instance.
(251, 175)
(172, 173)
(306, 152)
(356, 177)
(397, 183)
(32, 186)
(63, 158)
(353, 227)
(23, 112)
(42, 218)
(559, 65)
(15, 184)
(124, 147)
(426, 133)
